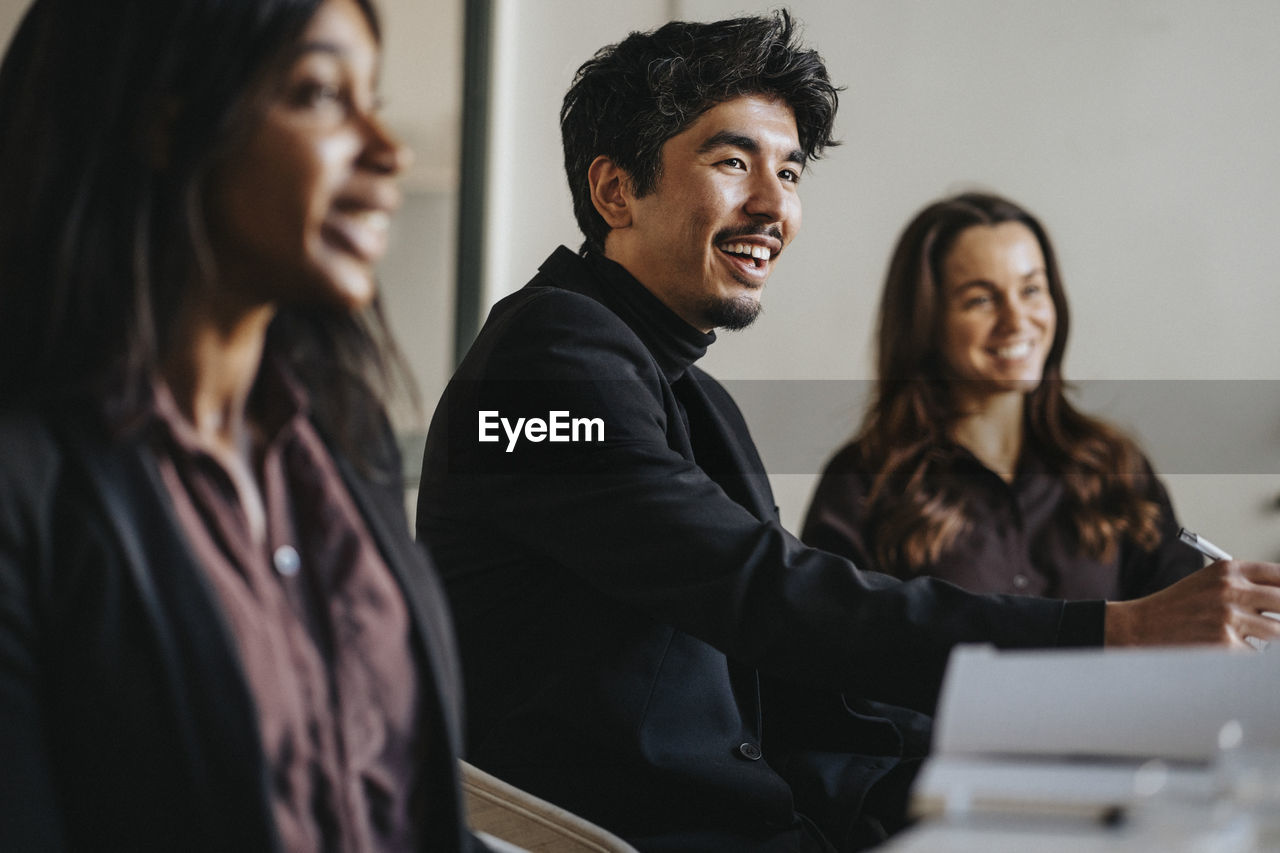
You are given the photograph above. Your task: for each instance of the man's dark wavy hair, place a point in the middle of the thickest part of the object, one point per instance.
(631, 97)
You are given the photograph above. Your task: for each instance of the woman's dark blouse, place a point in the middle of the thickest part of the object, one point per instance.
(1020, 540)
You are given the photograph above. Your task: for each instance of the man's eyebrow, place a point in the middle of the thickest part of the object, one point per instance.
(729, 139)
(749, 144)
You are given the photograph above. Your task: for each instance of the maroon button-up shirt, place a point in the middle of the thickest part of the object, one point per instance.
(1020, 540)
(321, 626)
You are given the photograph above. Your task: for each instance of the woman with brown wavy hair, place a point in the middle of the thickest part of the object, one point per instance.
(971, 465)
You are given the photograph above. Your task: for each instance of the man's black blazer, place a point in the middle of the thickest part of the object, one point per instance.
(616, 600)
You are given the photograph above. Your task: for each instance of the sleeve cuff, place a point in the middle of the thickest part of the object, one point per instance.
(1082, 623)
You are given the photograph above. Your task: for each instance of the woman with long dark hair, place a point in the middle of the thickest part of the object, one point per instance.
(216, 632)
(971, 465)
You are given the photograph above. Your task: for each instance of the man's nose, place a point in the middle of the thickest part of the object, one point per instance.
(768, 199)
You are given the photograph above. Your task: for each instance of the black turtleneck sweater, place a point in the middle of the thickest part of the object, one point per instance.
(674, 344)
(618, 599)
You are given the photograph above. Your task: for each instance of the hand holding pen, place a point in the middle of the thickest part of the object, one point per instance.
(1213, 552)
(1230, 602)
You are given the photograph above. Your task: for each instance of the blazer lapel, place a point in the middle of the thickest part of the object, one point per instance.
(722, 446)
(213, 709)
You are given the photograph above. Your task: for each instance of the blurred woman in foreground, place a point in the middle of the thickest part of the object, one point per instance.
(216, 632)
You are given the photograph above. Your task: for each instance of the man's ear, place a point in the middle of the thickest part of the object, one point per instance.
(610, 191)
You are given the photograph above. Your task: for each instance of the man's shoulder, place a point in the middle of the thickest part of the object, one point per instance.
(544, 304)
(704, 379)
(559, 315)
(713, 389)
(564, 290)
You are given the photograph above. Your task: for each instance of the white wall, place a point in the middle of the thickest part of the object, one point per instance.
(1143, 132)
(10, 13)
(539, 44)
(422, 85)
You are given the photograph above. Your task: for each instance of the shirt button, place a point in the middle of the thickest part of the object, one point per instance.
(286, 561)
(750, 751)
(1020, 581)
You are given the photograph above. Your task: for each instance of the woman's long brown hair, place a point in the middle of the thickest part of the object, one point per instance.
(915, 511)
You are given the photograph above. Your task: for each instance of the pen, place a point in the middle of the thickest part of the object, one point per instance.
(1204, 546)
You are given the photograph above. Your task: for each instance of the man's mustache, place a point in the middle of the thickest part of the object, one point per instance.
(749, 231)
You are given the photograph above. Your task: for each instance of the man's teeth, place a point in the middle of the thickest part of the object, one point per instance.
(1014, 350)
(759, 252)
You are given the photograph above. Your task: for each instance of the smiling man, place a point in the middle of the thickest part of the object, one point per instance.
(642, 641)
(727, 202)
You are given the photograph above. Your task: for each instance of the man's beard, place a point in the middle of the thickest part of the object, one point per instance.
(731, 314)
(737, 313)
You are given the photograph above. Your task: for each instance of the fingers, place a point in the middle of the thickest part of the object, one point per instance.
(1222, 604)
(1259, 593)
(1252, 630)
(1254, 587)
(1258, 626)
(1259, 573)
